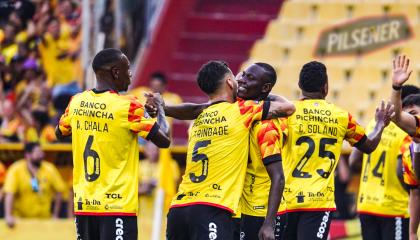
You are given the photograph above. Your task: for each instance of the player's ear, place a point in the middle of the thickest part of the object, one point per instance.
(229, 82)
(267, 87)
(325, 89)
(115, 72)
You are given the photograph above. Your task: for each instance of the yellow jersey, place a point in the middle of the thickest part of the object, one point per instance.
(314, 140)
(104, 128)
(265, 144)
(33, 202)
(217, 155)
(381, 192)
(409, 175)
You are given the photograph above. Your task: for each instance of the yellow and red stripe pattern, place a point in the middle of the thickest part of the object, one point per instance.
(355, 133)
(138, 122)
(409, 175)
(270, 141)
(64, 124)
(253, 110)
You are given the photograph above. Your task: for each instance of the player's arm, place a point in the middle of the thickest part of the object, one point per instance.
(63, 129)
(161, 138)
(269, 141)
(383, 118)
(8, 209)
(414, 206)
(400, 75)
(57, 204)
(280, 107)
(356, 159)
(183, 111)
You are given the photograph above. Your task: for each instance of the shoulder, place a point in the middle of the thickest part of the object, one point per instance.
(17, 166)
(48, 166)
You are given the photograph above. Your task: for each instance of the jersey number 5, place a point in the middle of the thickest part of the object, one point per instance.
(89, 152)
(298, 171)
(197, 157)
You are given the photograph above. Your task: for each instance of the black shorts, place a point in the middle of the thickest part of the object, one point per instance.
(199, 222)
(236, 228)
(106, 227)
(250, 226)
(305, 226)
(383, 228)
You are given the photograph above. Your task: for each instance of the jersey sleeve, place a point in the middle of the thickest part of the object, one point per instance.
(253, 110)
(145, 127)
(269, 141)
(417, 134)
(64, 124)
(355, 133)
(409, 175)
(10, 183)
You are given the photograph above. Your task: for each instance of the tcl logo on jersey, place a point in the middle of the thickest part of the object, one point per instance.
(113, 195)
(119, 232)
(323, 227)
(212, 231)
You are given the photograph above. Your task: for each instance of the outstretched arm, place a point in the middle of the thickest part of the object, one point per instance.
(400, 75)
(383, 118)
(183, 111)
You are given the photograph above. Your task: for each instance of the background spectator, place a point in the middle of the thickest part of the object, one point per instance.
(31, 186)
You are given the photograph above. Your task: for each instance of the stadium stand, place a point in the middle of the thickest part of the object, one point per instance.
(290, 39)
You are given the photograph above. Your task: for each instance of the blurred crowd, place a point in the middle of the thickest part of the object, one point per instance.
(39, 66)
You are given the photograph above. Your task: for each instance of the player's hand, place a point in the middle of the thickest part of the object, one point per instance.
(10, 221)
(266, 232)
(400, 72)
(413, 236)
(151, 105)
(384, 114)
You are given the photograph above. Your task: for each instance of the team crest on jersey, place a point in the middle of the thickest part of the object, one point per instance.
(300, 197)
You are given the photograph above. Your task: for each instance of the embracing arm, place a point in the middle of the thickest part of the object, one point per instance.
(185, 111)
(280, 107)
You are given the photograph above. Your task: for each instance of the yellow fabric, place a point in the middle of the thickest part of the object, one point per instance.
(381, 191)
(104, 128)
(9, 52)
(265, 144)
(315, 136)
(59, 71)
(217, 155)
(30, 204)
(166, 176)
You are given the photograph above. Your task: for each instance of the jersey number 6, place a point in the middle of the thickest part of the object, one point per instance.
(89, 152)
(197, 157)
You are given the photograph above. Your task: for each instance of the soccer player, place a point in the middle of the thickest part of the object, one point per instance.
(383, 198)
(411, 104)
(104, 126)
(314, 140)
(217, 156)
(406, 121)
(264, 180)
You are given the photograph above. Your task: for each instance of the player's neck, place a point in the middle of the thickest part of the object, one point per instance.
(221, 98)
(312, 95)
(101, 87)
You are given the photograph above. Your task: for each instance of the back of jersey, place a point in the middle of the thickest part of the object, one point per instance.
(315, 136)
(104, 127)
(381, 191)
(217, 155)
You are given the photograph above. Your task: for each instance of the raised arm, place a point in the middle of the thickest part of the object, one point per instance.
(400, 75)
(383, 118)
(280, 107)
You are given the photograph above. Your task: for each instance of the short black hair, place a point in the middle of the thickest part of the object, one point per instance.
(411, 100)
(159, 76)
(313, 76)
(408, 90)
(30, 146)
(105, 57)
(211, 75)
(270, 72)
